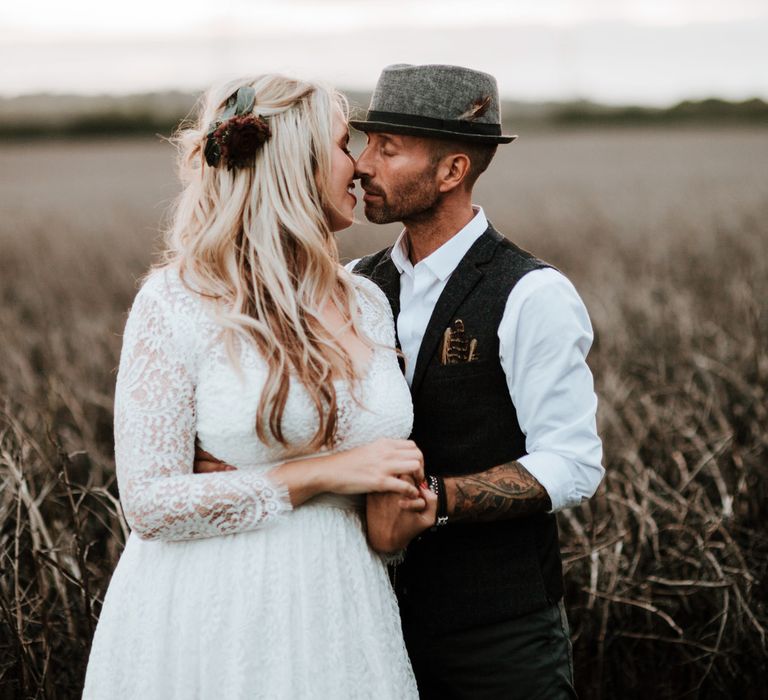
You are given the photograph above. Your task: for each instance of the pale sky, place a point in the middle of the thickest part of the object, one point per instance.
(643, 51)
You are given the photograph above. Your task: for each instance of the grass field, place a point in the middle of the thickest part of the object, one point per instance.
(664, 234)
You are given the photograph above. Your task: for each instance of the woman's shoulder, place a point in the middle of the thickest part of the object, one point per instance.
(165, 301)
(375, 310)
(160, 280)
(165, 286)
(370, 291)
(166, 308)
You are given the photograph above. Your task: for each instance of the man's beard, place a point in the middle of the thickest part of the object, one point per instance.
(414, 200)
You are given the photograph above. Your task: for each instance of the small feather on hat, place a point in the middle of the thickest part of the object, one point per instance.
(478, 108)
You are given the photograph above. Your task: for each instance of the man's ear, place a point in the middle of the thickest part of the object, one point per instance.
(452, 171)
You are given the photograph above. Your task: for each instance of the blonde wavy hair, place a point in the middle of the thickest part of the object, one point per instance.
(257, 241)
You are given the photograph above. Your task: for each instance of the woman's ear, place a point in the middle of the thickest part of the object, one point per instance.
(452, 171)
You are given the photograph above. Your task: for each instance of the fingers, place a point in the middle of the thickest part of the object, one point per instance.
(398, 444)
(408, 478)
(402, 487)
(406, 446)
(429, 496)
(203, 456)
(204, 466)
(413, 451)
(414, 505)
(408, 467)
(387, 465)
(404, 456)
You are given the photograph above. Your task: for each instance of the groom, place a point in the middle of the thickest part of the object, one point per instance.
(495, 342)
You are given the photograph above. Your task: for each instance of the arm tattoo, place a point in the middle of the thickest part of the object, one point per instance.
(502, 492)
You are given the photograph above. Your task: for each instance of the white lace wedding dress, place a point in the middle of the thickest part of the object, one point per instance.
(223, 591)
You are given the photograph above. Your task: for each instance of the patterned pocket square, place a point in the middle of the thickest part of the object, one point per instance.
(457, 348)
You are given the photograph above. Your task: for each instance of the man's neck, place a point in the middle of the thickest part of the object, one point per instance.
(425, 236)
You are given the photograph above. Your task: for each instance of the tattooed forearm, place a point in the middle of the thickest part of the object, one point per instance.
(506, 491)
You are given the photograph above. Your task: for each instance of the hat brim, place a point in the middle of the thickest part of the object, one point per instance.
(384, 127)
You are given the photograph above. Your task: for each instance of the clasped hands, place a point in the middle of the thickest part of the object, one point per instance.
(393, 521)
(393, 517)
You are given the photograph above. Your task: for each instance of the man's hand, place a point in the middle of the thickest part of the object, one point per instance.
(394, 521)
(206, 463)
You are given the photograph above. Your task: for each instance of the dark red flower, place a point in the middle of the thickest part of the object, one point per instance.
(240, 138)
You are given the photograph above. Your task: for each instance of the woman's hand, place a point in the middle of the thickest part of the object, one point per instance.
(376, 468)
(206, 463)
(373, 468)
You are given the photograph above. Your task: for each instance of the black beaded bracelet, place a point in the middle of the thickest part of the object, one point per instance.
(437, 486)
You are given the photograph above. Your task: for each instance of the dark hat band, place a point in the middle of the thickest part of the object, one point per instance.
(416, 120)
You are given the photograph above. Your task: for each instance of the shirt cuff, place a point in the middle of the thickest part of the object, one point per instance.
(554, 473)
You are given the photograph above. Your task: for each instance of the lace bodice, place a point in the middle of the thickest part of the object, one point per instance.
(176, 383)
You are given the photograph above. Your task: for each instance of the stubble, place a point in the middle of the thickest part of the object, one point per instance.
(412, 200)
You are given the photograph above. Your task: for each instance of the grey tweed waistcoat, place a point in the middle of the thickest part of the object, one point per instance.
(465, 575)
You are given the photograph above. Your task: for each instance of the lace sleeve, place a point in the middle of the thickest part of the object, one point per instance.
(393, 558)
(155, 442)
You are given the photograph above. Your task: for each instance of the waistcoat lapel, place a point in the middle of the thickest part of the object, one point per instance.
(386, 276)
(463, 280)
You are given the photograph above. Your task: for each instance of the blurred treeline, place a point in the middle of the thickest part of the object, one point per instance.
(47, 115)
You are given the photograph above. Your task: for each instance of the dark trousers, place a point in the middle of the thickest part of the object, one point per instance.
(527, 657)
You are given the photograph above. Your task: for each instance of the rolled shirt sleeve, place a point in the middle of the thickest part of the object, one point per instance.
(545, 335)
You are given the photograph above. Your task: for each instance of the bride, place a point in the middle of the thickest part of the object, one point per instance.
(257, 582)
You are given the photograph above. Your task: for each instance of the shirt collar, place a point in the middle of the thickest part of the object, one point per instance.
(443, 261)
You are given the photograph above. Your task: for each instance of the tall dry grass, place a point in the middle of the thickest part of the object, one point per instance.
(663, 233)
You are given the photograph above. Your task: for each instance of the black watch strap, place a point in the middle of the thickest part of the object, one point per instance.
(437, 486)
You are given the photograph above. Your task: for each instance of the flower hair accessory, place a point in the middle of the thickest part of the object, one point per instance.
(238, 134)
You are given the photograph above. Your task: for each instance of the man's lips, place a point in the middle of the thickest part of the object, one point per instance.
(370, 196)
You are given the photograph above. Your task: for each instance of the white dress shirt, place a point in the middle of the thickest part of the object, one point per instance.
(544, 335)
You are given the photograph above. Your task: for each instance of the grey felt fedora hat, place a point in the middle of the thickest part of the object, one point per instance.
(437, 101)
